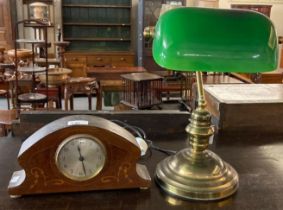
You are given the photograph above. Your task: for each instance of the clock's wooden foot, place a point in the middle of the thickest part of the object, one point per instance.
(144, 188)
(16, 180)
(143, 172)
(15, 196)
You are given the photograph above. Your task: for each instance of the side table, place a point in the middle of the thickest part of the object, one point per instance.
(83, 85)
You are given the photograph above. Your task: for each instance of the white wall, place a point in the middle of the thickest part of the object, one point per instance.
(277, 17)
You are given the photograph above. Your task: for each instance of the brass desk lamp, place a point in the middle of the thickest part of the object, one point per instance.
(198, 39)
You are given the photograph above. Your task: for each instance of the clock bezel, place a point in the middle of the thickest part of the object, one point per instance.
(66, 141)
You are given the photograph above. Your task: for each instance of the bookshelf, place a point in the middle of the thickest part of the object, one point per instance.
(97, 25)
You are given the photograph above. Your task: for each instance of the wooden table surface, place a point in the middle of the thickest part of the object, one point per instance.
(258, 160)
(104, 73)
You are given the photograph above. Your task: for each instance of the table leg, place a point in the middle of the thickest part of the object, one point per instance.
(66, 97)
(89, 101)
(99, 98)
(72, 102)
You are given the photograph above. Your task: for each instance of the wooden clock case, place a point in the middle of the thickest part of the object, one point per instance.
(41, 175)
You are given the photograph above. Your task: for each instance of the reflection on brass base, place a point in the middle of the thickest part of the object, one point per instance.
(208, 178)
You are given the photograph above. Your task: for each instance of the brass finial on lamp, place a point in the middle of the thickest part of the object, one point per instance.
(198, 39)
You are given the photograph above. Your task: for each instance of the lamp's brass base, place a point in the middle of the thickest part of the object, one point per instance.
(205, 177)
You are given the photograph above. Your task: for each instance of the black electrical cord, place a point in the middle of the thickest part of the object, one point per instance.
(139, 132)
(130, 128)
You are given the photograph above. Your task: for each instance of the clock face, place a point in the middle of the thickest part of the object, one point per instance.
(80, 157)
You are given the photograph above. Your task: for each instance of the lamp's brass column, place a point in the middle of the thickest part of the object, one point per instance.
(195, 172)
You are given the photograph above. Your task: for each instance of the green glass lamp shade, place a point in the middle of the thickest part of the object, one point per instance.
(217, 40)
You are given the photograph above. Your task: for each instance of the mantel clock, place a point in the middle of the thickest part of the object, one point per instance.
(78, 153)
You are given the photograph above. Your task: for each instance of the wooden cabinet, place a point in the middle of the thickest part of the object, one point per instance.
(95, 25)
(79, 61)
(74, 59)
(122, 60)
(99, 32)
(98, 60)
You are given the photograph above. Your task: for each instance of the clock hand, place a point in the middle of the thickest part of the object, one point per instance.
(81, 158)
